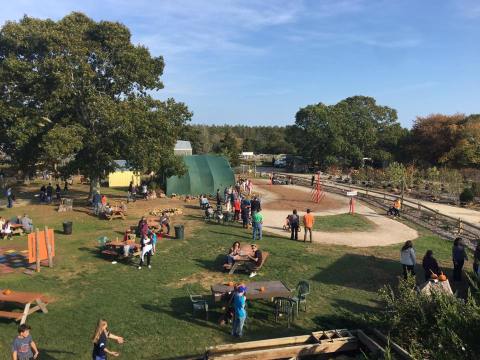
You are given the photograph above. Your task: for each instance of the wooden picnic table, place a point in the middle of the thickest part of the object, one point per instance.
(26, 299)
(17, 229)
(272, 289)
(117, 244)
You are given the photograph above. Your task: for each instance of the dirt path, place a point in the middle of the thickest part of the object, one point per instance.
(279, 200)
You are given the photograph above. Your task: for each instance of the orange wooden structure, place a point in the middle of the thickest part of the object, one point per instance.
(42, 245)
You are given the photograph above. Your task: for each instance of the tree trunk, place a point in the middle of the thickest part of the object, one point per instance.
(94, 187)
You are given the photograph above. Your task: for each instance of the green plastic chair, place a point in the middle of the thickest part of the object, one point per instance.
(303, 289)
(199, 303)
(284, 306)
(102, 240)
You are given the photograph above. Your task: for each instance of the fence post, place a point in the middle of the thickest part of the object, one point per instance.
(460, 226)
(37, 250)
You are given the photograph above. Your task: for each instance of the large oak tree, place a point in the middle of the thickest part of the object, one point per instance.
(79, 89)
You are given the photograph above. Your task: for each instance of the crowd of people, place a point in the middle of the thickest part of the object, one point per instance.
(6, 225)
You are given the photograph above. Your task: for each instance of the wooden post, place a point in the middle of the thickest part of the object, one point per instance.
(49, 248)
(37, 250)
(460, 226)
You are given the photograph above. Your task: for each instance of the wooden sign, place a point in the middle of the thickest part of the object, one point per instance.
(43, 246)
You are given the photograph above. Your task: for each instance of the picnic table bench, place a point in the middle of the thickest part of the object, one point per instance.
(25, 299)
(116, 214)
(271, 289)
(115, 248)
(242, 260)
(17, 229)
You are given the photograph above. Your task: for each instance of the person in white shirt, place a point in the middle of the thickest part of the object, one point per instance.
(408, 259)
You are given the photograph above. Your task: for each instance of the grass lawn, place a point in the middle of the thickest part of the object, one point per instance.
(342, 222)
(151, 308)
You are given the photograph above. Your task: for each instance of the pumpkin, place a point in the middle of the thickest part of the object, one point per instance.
(442, 277)
(7, 292)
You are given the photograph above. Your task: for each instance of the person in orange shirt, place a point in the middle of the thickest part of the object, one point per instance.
(308, 221)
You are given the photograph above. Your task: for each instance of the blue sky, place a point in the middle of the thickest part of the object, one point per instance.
(258, 62)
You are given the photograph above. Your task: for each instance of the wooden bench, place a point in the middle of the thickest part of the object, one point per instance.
(17, 316)
(115, 215)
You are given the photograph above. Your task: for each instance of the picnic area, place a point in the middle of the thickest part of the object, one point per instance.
(147, 305)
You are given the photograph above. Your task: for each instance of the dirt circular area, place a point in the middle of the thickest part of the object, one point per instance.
(280, 200)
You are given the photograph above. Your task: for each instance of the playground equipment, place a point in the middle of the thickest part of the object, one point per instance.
(41, 246)
(317, 192)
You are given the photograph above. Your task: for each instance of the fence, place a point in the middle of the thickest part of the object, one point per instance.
(444, 225)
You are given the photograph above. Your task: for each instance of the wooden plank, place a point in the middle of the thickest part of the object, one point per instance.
(397, 348)
(291, 340)
(17, 316)
(289, 351)
(371, 344)
(37, 250)
(49, 248)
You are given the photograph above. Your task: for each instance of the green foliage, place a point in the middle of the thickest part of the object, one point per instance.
(466, 195)
(259, 139)
(228, 147)
(346, 132)
(438, 326)
(452, 180)
(92, 85)
(476, 189)
(395, 173)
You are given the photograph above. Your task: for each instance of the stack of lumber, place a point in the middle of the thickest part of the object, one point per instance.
(168, 211)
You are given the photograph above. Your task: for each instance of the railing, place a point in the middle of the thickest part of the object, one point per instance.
(442, 224)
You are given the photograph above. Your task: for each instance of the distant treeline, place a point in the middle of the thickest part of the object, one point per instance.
(353, 132)
(259, 139)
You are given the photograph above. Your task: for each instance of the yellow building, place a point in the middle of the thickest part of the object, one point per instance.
(122, 176)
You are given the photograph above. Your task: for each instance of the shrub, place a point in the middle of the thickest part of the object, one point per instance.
(437, 326)
(467, 195)
(476, 189)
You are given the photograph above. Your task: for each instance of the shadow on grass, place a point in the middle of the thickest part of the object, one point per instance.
(48, 354)
(359, 272)
(213, 265)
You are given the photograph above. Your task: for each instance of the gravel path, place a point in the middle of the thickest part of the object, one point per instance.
(386, 232)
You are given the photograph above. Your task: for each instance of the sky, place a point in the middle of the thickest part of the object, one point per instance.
(257, 62)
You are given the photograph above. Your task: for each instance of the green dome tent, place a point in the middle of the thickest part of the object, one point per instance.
(205, 174)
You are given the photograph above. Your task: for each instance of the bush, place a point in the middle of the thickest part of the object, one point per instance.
(437, 326)
(466, 196)
(476, 189)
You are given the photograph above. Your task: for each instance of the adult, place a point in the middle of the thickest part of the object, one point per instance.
(430, 265)
(408, 259)
(6, 229)
(100, 338)
(219, 197)
(147, 247)
(476, 258)
(9, 194)
(395, 208)
(134, 193)
(459, 255)
(142, 228)
(165, 221)
(233, 252)
(255, 204)
(236, 208)
(49, 192)
(43, 194)
(65, 186)
(308, 221)
(96, 200)
(27, 223)
(130, 191)
(144, 191)
(255, 260)
(294, 224)
(239, 301)
(257, 223)
(23, 347)
(245, 212)
(58, 192)
(312, 180)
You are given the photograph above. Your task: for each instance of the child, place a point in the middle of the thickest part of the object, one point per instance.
(100, 338)
(146, 250)
(153, 239)
(23, 345)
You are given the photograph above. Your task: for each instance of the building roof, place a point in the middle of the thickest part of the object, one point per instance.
(120, 165)
(183, 145)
